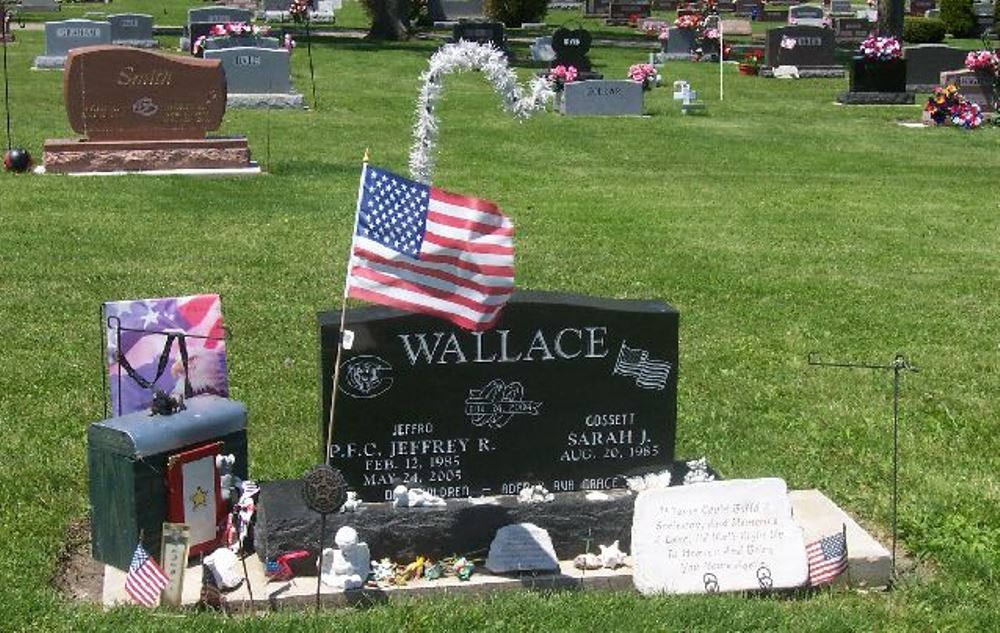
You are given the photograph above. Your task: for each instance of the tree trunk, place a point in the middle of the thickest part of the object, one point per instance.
(890, 18)
(390, 20)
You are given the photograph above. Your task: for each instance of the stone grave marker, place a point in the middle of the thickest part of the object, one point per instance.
(142, 110)
(521, 547)
(202, 19)
(926, 62)
(601, 97)
(257, 77)
(773, 13)
(60, 37)
(234, 41)
(665, 5)
(541, 49)
(620, 12)
(809, 48)
(275, 9)
(717, 537)
(680, 43)
(736, 27)
(726, 6)
(974, 86)
(747, 8)
(849, 32)
(567, 391)
(596, 8)
(841, 7)
(39, 6)
(806, 15)
(983, 11)
(482, 32)
(132, 29)
(453, 10)
(933, 14)
(571, 47)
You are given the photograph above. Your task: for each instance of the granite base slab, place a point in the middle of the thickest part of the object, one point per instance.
(810, 72)
(869, 566)
(291, 101)
(49, 62)
(284, 524)
(137, 43)
(76, 156)
(876, 98)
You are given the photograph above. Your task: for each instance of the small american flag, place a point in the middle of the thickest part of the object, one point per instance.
(145, 580)
(422, 249)
(827, 558)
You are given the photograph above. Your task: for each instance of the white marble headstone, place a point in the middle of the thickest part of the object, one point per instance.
(719, 536)
(521, 547)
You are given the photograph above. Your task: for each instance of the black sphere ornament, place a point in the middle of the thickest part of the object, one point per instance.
(17, 160)
(324, 489)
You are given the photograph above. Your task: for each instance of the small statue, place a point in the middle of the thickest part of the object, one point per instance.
(535, 494)
(348, 566)
(352, 504)
(611, 556)
(403, 497)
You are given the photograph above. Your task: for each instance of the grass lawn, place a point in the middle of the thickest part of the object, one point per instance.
(778, 224)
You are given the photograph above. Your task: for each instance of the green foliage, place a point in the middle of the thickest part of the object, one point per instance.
(513, 13)
(958, 17)
(923, 30)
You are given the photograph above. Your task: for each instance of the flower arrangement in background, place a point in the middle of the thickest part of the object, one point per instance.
(882, 49)
(562, 75)
(299, 10)
(948, 106)
(233, 29)
(688, 22)
(710, 34)
(646, 74)
(750, 64)
(982, 60)
(788, 43)
(663, 35)
(288, 42)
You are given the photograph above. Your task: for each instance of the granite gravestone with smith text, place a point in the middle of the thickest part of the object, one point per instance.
(567, 391)
(142, 110)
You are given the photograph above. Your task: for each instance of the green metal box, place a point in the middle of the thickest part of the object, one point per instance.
(127, 458)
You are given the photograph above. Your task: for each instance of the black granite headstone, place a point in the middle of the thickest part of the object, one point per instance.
(571, 47)
(481, 32)
(804, 46)
(567, 391)
(926, 62)
(849, 32)
(622, 12)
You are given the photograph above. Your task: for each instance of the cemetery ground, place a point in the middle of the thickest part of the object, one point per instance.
(778, 224)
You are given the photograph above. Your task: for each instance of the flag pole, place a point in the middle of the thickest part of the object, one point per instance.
(722, 55)
(343, 313)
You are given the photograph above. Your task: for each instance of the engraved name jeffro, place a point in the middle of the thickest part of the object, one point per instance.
(127, 76)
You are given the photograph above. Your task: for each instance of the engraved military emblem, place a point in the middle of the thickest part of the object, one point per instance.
(145, 106)
(711, 582)
(324, 489)
(365, 377)
(764, 577)
(497, 403)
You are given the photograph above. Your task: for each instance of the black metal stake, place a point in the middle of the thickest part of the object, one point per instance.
(6, 81)
(319, 561)
(312, 72)
(898, 365)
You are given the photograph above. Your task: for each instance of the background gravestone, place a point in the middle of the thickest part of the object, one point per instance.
(921, 7)
(60, 37)
(975, 86)
(926, 62)
(234, 41)
(39, 6)
(571, 392)
(621, 12)
(602, 98)
(841, 7)
(257, 77)
(571, 47)
(202, 19)
(849, 32)
(813, 50)
(806, 15)
(453, 10)
(597, 8)
(132, 29)
(680, 43)
(491, 33)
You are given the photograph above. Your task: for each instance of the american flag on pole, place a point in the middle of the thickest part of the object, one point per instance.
(422, 249)
(145, 580)
(827, 558)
